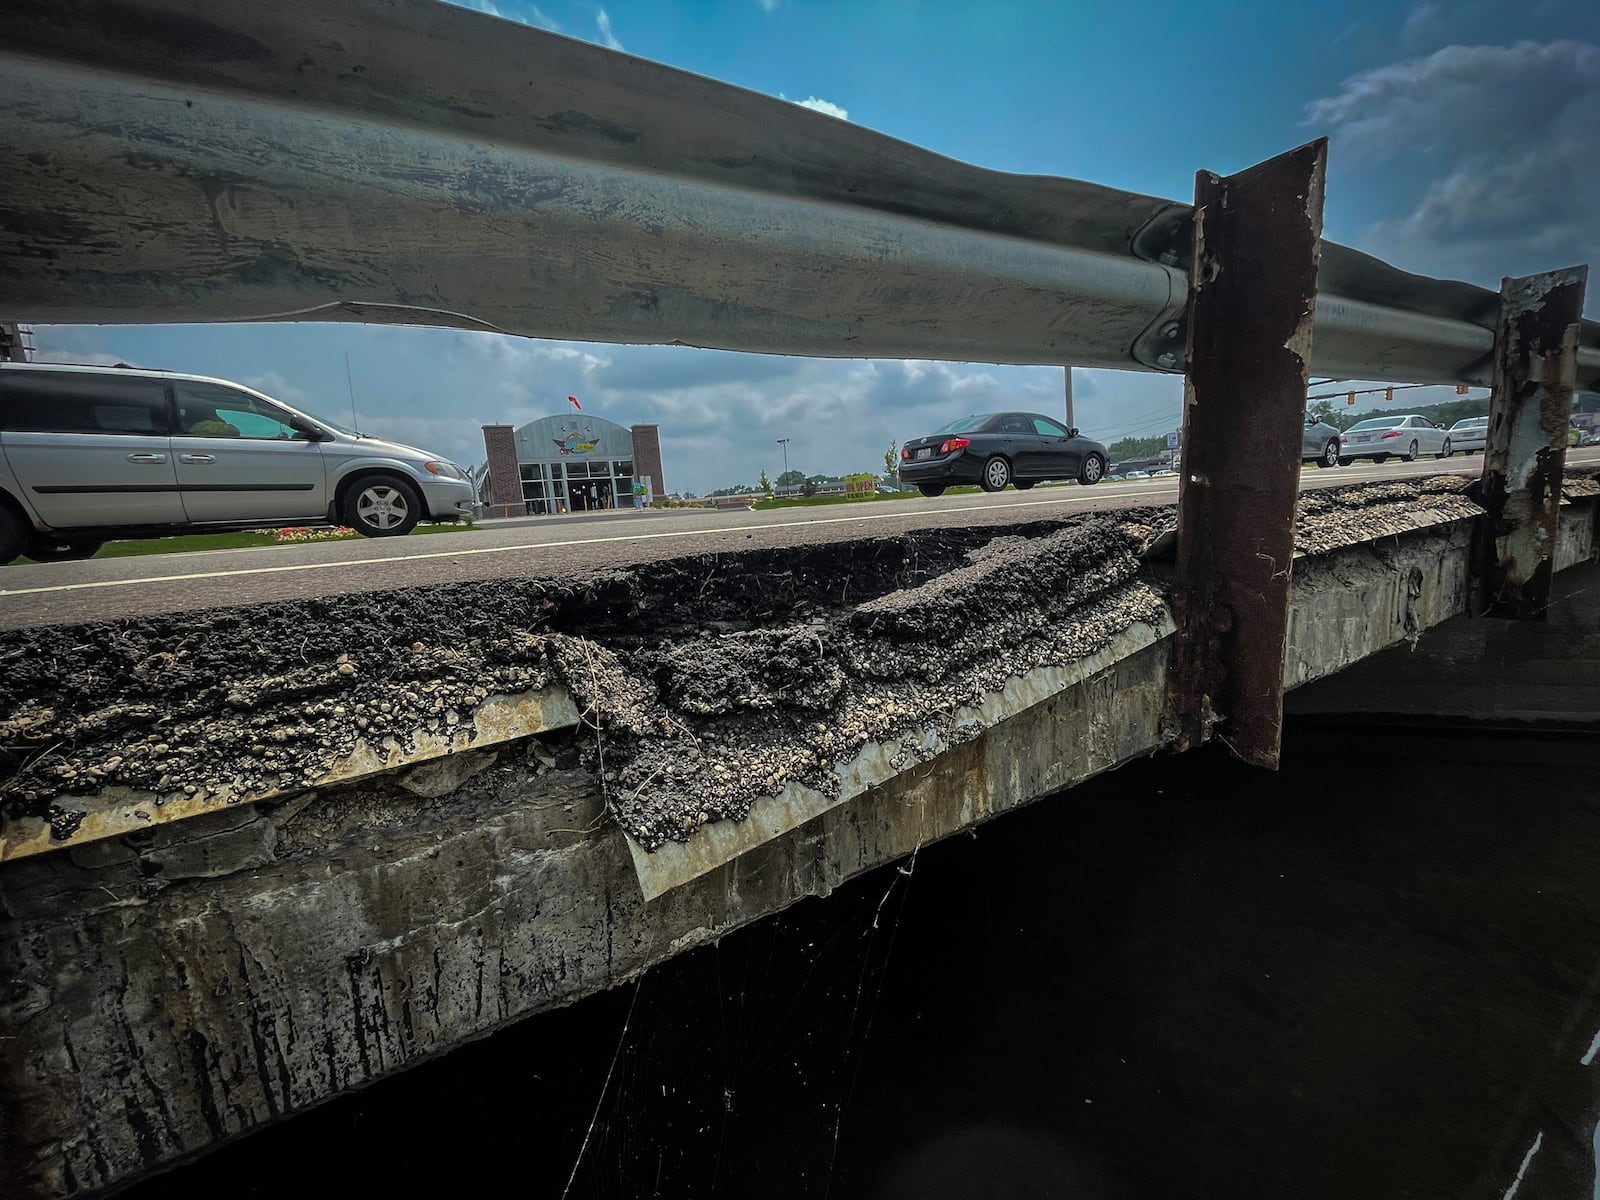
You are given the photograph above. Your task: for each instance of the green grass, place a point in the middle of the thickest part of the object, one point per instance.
(245, 540)
(817, 501)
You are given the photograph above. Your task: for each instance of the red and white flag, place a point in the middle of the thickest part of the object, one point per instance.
(573, 400)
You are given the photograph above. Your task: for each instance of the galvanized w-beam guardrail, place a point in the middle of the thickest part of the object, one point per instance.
(411, 162)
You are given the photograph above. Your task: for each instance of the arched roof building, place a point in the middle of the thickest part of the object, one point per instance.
(571, 462)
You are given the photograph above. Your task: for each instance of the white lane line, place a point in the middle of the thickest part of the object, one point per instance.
(1594, 1048)
(467, 553)
(1126, 490)
(1523, 1169)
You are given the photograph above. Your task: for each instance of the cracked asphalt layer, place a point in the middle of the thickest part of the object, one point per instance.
(706, 679)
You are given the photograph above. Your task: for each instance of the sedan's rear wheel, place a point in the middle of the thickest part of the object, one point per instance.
(1330, 454)
(1345, 462)
(1411, 453)
(996, 474)
(1447, 451)
(1093, 469)
(382, 506)
(931, 489)
(1379, 458)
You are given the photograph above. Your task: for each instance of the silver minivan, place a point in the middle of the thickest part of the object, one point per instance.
(92, 453)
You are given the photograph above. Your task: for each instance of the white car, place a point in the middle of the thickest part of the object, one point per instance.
(1407, 437)
(1469, 434)
(93, 453)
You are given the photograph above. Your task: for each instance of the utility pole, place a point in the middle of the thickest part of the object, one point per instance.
(1067, 371)
(784, 442)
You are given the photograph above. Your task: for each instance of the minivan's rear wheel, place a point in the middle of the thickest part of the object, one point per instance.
(46, 549)
(931, 489)
(1330, 454)
(382, 506)
(996, 474)
(1093, 469)
(15, 533)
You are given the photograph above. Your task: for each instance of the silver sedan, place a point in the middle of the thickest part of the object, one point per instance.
(1407, 437)
(1469, 433)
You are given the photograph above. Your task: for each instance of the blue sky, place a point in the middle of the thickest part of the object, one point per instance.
(1465, 143)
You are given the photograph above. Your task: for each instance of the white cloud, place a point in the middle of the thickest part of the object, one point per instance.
(279, 388)
(607, 38)
(770, 5)
(46, 352)
(1423, 14)
(1457, 98)
(537, 16)
(824, 106)
(720, 413)
(1493, 153)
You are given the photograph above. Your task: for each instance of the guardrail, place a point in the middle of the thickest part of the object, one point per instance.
(412, 162)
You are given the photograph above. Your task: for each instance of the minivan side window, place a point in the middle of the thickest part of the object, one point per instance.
(66, 402)
(210, 410)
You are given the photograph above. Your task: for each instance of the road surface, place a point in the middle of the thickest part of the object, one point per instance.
(60, 593)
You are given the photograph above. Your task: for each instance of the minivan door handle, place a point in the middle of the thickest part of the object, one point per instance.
(146, 457)
(197, 458)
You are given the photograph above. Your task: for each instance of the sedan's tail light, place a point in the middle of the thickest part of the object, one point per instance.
(905, 454)
(951, 445)
(1390, 434)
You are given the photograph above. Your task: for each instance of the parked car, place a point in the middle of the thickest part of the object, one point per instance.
(1137, 475)
(1320, 443)
(92, 453)
(1469, 433)
(994, 449)
(1405, 437)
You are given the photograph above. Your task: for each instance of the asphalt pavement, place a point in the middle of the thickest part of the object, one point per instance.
(106, 589)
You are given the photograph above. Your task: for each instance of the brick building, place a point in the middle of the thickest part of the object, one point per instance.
(571, 463)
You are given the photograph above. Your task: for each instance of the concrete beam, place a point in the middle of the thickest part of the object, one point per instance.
(166, 992)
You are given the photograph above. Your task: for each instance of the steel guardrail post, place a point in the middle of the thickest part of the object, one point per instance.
(1525, 454)
(1257, 239)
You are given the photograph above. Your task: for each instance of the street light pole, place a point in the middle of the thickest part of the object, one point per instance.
(784, 442)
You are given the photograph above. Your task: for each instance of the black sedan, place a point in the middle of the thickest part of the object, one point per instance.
(994, 449)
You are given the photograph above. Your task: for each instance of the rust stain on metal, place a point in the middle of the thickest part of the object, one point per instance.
(1535, 368)
(1257, 248)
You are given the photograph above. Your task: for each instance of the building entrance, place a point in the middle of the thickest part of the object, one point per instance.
(589, 495)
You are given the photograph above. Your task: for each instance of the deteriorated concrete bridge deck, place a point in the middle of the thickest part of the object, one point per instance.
(255, 857)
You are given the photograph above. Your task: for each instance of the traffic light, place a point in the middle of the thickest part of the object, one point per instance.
(1461, 389)
(1350, 399)
(1388, 395)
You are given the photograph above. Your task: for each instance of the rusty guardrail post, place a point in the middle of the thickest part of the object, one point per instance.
(1257, 244)
(1530, 406)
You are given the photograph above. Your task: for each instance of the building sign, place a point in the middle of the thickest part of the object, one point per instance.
(575, 441)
